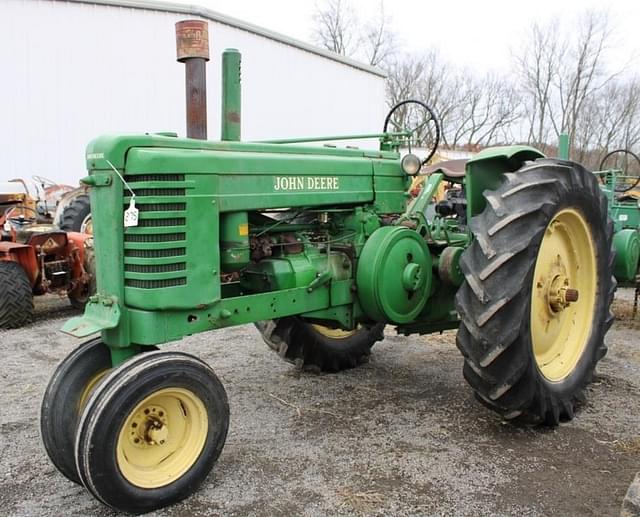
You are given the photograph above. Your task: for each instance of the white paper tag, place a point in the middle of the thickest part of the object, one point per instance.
(131, 214)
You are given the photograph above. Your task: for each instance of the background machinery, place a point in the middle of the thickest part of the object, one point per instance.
(37, 257)
(320, 248)
(621, 183)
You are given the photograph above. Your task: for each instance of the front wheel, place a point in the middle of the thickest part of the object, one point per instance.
(538, 285)
(64, 399)
(152, 431)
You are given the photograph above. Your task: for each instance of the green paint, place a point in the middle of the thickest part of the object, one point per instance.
(231, 100)
(627, 245)
(563, 146)
(234, 232)
(484, 171)
(624, 211)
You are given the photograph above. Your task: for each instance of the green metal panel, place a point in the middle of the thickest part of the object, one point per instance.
(483, 171)
(178, 257)
(627, 245)
(231, 100)
(157, 327)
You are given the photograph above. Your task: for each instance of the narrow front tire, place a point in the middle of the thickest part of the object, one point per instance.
(152, 431)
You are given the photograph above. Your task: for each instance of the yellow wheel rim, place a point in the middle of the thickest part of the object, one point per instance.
(333, 333)
(162, 438)
(91, 385)
(87, 225)
(564, 295)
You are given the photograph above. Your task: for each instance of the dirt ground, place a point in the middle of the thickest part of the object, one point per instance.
(401, 435)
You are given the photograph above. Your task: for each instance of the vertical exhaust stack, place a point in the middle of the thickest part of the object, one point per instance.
(192, 44)
(231, 98)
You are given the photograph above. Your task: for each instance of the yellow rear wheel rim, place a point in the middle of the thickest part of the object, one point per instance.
(333, 333)
(564, 295)
(162, 438)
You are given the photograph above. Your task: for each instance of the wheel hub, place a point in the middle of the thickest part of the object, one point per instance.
(149, 427)
(555, 288)
(162, 437)
(564, 295)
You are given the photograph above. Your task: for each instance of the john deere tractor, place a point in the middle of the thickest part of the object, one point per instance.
(621, 184)
(319, 247)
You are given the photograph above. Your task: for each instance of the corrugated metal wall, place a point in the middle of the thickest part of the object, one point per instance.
(70, 71)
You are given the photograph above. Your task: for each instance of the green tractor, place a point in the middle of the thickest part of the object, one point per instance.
(621, 184)
(319, 247)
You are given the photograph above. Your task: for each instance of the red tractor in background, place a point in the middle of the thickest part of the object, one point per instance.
(35, 256)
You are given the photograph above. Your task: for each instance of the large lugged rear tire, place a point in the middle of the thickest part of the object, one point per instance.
(76, 215)
(538, 285)
(16, 297)
(314, 347)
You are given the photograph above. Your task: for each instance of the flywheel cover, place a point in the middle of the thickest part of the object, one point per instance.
(394, 275)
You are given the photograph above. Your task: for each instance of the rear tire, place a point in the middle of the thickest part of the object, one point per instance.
(529, 348)
(314, 347)
(152, 431)
(16, 296)
(75, 215)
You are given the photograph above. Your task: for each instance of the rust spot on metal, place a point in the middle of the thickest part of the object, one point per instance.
(233, 116)
(192, 39)
(192, 43)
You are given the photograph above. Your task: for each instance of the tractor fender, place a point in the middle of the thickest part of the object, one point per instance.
(22, 254)
(484, 171)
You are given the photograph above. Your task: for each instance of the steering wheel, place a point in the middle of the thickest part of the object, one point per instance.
(624, 188)
(21, 220)
(419, 120)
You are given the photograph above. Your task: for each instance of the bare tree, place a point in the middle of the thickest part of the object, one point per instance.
(537, 64)
(560, 78)
(610, 120)
(472, 111)
(380, 41)
(403, 76)
(336, 27)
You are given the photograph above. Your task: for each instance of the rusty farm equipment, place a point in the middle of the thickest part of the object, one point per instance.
(36, 257)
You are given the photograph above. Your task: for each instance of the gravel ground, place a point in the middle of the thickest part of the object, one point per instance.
(401, 435)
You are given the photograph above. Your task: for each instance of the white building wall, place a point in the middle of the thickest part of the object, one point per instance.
(70, 71)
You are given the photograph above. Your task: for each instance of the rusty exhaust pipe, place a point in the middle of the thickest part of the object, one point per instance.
(192, 44)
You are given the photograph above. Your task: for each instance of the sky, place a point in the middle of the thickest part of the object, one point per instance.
(479, 35)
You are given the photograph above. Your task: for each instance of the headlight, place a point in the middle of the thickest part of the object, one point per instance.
(411, 164)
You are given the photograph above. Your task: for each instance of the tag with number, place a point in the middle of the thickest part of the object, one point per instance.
(131, 214)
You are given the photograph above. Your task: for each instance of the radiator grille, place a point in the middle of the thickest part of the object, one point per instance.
(163, 253)
(156, 223)
(142, 192)
(155, 268)
(162, 207)
(154, 237)
(159, 244)
(134, 178)
(155, 284)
